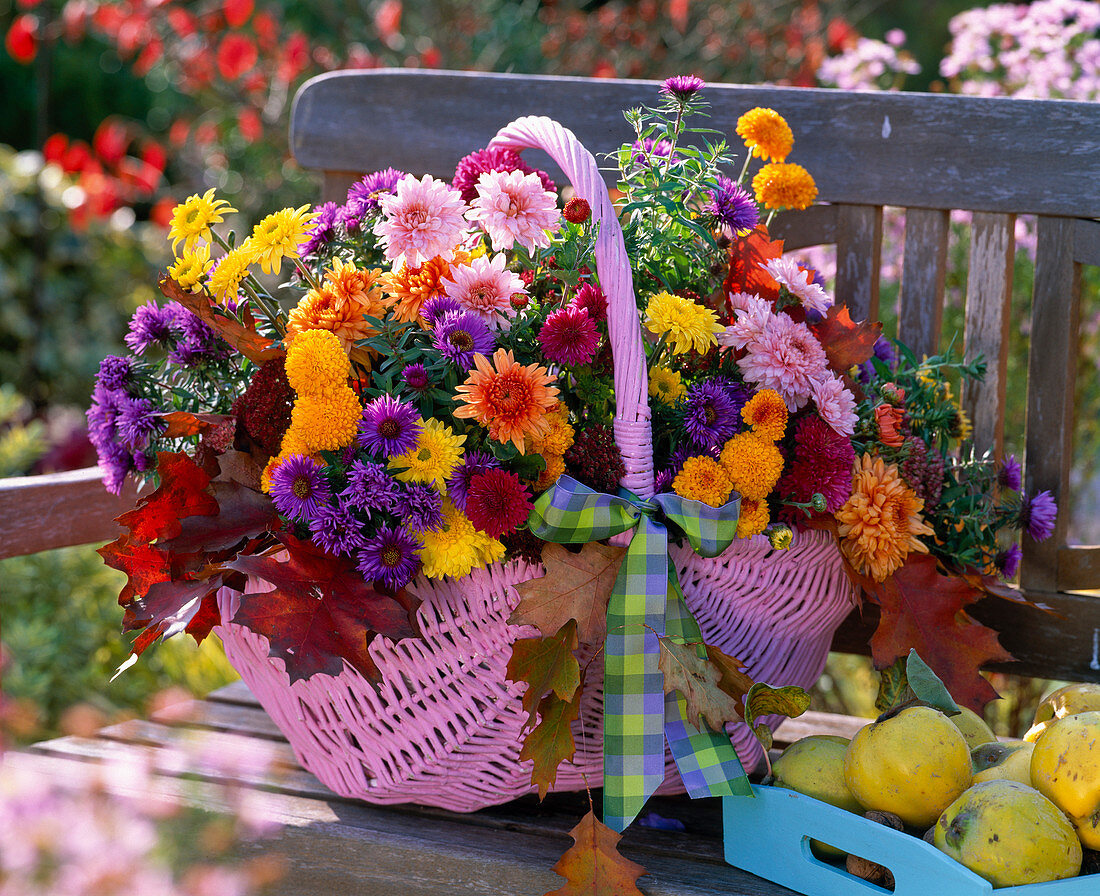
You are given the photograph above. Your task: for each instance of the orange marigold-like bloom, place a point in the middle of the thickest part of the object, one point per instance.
(880, 523)
(703, 479)
(327, 422)
(766, 133)
(766, 413)
(754, 517)
(341, 306)
(558, 437)
(555, 466)
(889, 418)
(753, 463)
(407, 289)
(782, 185)
(510, 400)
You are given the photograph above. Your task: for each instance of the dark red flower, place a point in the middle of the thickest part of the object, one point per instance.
(497, 502)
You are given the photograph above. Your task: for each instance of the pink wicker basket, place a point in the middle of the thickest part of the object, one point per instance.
(444, 728)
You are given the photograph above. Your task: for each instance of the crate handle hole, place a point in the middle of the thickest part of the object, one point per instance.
(825, 856)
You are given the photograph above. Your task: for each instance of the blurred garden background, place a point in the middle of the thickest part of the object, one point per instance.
(117, 109)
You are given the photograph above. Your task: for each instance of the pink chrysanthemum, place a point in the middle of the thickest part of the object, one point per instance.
(751, 316)
(592, 299)
(513, 207)
(420, 220)
(569, 336)
(799, 283)
(835, 404)
(485, 287)
(785, 357)
(497, 502)
(821, 463)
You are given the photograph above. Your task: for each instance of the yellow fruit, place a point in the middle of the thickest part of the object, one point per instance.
(1065, 767)
(913, 764)
(1006, 760)
(1010, 834)
(973, 728)
(1065, 701)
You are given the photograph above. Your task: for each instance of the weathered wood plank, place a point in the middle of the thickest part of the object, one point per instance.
(813, 722)
(986, 328)
(1079, 568)
(858, 259)
(905, 149)
(1086, 242)
(220, 716)
(57, 510)
(234, 692)
(814, 226)
(923, 275)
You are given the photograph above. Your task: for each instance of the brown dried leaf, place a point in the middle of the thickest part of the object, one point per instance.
(546, 665)
(593, 866)
(697, 680)
(247, 341)
(550, 742)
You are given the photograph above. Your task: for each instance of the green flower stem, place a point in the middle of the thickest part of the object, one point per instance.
(268, 306)
(745, 167)
(307, 273)
(658, 349)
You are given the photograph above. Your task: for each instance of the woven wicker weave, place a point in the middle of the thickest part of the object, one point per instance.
(444, 728)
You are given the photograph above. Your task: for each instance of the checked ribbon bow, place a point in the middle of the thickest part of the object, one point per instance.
(646, 603)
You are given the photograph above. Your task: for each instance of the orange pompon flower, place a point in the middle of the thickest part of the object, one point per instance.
(766, 133)
(889, 418)
(703, 479)
(407, 289)
(781, 185)
(341, 306)
(880, 523)
(510, 400)
(555, 466)
(753, 519)
(753, 463)
(558, 437)
(766, 413)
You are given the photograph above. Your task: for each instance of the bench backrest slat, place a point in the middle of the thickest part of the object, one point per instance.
(923, 276)
(858, 258)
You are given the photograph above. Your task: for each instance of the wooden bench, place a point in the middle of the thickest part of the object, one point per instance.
(923, 153)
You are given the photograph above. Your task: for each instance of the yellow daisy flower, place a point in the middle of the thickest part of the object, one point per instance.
(190, 268)
(191, 220)
(453, 549)
(329, 421)
(782, 185)
(766, 413)
(703, 479)
(277, 237)
(688, 325)
(753, 463)
(432, 460)
(667, 386)
(766, 133)
(227, 276)
(315, 362)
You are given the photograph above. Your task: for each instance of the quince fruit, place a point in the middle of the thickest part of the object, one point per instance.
(1065, 767)
(973, 728)
(1065, 701)
(1008, 760)
(913, 764)
(1010, 834)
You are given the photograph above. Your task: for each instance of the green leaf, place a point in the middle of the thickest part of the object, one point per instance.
(893, 687)
(927, 686)
(763, 700)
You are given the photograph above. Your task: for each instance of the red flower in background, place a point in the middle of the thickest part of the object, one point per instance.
(21, 41)
(237, 12)
(237, 55)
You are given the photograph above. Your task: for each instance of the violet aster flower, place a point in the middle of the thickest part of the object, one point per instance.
(196, 340)
(662, 481)
(388, 426)
(1037, 515)
(115, 372)
(150, 325)
(458, 484)
(298, 488)
(710, 417)
(364, 197)
(734, 208)
(1010, 475)
(459, 335)
(370, 487)
(682, 87)
(433, 309)
(416, 378)
(1008, 561)
(336, 530)
(137, 422)
(420, 508)
(117, 462)
(323, 230)
(644, 152)
(391, 557)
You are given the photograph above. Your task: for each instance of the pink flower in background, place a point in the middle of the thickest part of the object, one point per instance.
(420, 220)
(785, 357)
(486, 287)
(513, 207)
(835, 404)
(799, 283)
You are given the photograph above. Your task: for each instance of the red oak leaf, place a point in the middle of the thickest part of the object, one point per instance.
(747, 254)
(846, 342)
(183, 492)
(182, 424)
(143, 564)
(923, 609)
(242, 513)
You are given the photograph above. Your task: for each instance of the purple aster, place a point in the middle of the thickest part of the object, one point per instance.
(115, 372)
(459, 335)
(137, 422)
(150, 325)
(473, 462)
(710, 415)
(323, 230)
(1010, 475)
(299, 488)
(644, 152)
(734, 207)
(739, 394)
(391, 557)
(1008, 561)
(433, 309)
(196, 340)
(662, 481)
(416, 378)
(117, 463)
(370, 487)
(103, 413)
(389, 426)
(1037, 515)
(471, 167)
(364, 197)
(337, 530)
(682, 87)
(420, 508)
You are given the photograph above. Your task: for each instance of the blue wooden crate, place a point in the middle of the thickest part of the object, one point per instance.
(770, 837)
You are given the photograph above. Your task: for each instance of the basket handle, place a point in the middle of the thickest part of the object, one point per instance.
(632, 427)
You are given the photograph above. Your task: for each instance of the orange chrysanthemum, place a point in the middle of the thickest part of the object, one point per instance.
(510, 400)
(880, 523)
(558, 437)
(407, 289)
(889, 418)
(341, 306)
(781, 185)
(766, 413)
(754, 517)
(766, 133)
(753, 463)
(703, 479)
(555, 466)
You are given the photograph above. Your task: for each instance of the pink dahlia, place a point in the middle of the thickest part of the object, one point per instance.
(751, 317)
(835, 404)
(569, 336)
(420, 220)
(785, 357)
(799, 283)
(592, 299)
(485, 286)
(513, 207)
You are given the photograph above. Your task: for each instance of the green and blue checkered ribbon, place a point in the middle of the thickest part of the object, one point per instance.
(646, 603)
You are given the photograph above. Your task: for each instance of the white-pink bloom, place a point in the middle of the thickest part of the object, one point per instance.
(785, 357)
(421, 219)
(751, 316)
(485, 286)
(787, 273)
(513, 207)
(836, 404)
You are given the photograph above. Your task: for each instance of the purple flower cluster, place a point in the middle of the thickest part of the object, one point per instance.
(187, 340)
(459, 335)
(733, 207)
(121, 425)
(711, 415)
(335, 221)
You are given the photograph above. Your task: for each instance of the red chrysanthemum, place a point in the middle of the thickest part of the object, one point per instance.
(592, 299)
(821, 463)
(497, 502)
(569, 336)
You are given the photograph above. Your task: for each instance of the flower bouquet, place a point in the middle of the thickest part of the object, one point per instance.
(489, 496)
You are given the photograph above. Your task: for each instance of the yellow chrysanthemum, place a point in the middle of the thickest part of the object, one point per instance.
(667, 386)
(454, 549)
(328, 421)
(432, 460)
(687, 324)
(753, 463)
(766, 133)
(766, 413)
(961, 428)
(316, 362)
(703, 479)
(192, 219)
(277, 237)
(407, 289)
(190, 268)
(558, 436)
(227, 276)
(781, 185)
(754, 517)
(489, 549)
(880, 523)
(555, 466)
